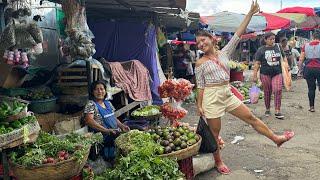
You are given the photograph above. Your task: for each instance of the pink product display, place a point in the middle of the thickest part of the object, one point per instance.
(178, 89)
(16, 57)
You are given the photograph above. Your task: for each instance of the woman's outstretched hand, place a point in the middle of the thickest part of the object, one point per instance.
(255, 8)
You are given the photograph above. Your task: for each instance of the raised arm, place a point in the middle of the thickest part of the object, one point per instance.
(232, 44)
(243, 26)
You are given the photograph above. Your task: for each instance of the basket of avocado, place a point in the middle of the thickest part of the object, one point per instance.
(180, 142)
(41, 101)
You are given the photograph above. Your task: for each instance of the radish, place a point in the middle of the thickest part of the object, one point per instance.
(66, 156)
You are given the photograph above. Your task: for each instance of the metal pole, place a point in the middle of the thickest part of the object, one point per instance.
(280, 4)
(2, 21)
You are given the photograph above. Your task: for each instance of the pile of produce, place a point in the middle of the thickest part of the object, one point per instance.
(178, 89)
(173, 139)
(39, 94)
(237, 66)
(49, 149)
(146, 111)
(244, 89)
(7, 127)
(6, 110)
(139, 159)
(173, 112)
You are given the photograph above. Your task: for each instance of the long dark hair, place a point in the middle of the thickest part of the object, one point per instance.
(209, 35)
(265, 37)
(93, 87)
(316, 34)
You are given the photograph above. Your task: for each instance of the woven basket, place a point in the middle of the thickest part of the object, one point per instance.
(185, 153)
(16, 137)
(47, 121)
(20, 115)
(60, 171)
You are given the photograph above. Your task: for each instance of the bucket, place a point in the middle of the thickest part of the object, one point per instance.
(236, 75)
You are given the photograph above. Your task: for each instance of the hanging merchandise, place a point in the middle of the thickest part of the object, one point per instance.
(21, 37)
(79, 41)
(161, 38)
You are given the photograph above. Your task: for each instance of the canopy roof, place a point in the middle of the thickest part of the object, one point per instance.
(134, 5)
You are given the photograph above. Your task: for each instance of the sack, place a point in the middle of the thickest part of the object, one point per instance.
(95, 151)
(286, 74)
(237, 93)
(208, 143)
(254, 94)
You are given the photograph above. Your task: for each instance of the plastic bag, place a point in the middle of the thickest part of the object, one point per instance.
(254, 94)
(208, 143)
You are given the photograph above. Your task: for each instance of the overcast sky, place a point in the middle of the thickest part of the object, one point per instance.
(209, 7)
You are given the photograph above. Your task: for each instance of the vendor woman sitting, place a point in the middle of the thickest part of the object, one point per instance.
(99, 117)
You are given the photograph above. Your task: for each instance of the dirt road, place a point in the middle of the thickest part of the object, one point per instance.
(299, 159)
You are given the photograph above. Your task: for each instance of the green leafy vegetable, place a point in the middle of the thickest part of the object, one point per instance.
(49, 148)
(147, 111)
(141, 162)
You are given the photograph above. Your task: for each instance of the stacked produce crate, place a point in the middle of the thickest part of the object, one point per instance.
(73, 84)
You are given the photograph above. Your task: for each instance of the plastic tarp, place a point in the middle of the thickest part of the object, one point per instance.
(229, 22)
(123, 41)
(317, 10)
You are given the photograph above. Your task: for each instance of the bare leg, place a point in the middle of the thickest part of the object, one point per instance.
(215, 127)
(245, 114)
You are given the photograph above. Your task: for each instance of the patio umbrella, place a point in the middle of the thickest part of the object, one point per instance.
(275, 22)
(311, 21)
(296, 17)
(229, 22)
(302, 10)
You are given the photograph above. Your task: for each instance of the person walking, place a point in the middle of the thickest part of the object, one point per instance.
(214, 93)
(309, 64)
(268, 61)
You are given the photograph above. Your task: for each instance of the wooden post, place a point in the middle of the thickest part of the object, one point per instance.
(5, 165)
(88, 67)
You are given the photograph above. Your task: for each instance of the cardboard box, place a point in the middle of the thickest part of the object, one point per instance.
(11, 76)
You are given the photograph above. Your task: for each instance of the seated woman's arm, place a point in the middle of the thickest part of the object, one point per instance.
(89, 120)
(122, 126)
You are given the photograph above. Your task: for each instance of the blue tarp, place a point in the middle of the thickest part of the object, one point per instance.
(317, 10)
(122, 41)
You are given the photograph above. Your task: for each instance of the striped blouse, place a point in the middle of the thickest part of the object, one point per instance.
(211, 73)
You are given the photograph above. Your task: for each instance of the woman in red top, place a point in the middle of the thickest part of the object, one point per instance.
(310, 61)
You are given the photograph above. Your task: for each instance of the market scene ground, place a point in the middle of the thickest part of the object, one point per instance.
(256, 157)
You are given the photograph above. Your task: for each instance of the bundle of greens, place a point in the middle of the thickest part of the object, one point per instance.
(6, 110)
(141, 162)
(7, 127)
(51, 149)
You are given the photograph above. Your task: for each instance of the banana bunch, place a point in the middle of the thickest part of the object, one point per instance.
(242, 66)
(232, 64)
(237, 66)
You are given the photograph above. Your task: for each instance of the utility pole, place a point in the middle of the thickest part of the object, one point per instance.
(280, 4)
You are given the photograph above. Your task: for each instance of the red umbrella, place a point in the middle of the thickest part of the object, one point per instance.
(302, 10)
(275, 22)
